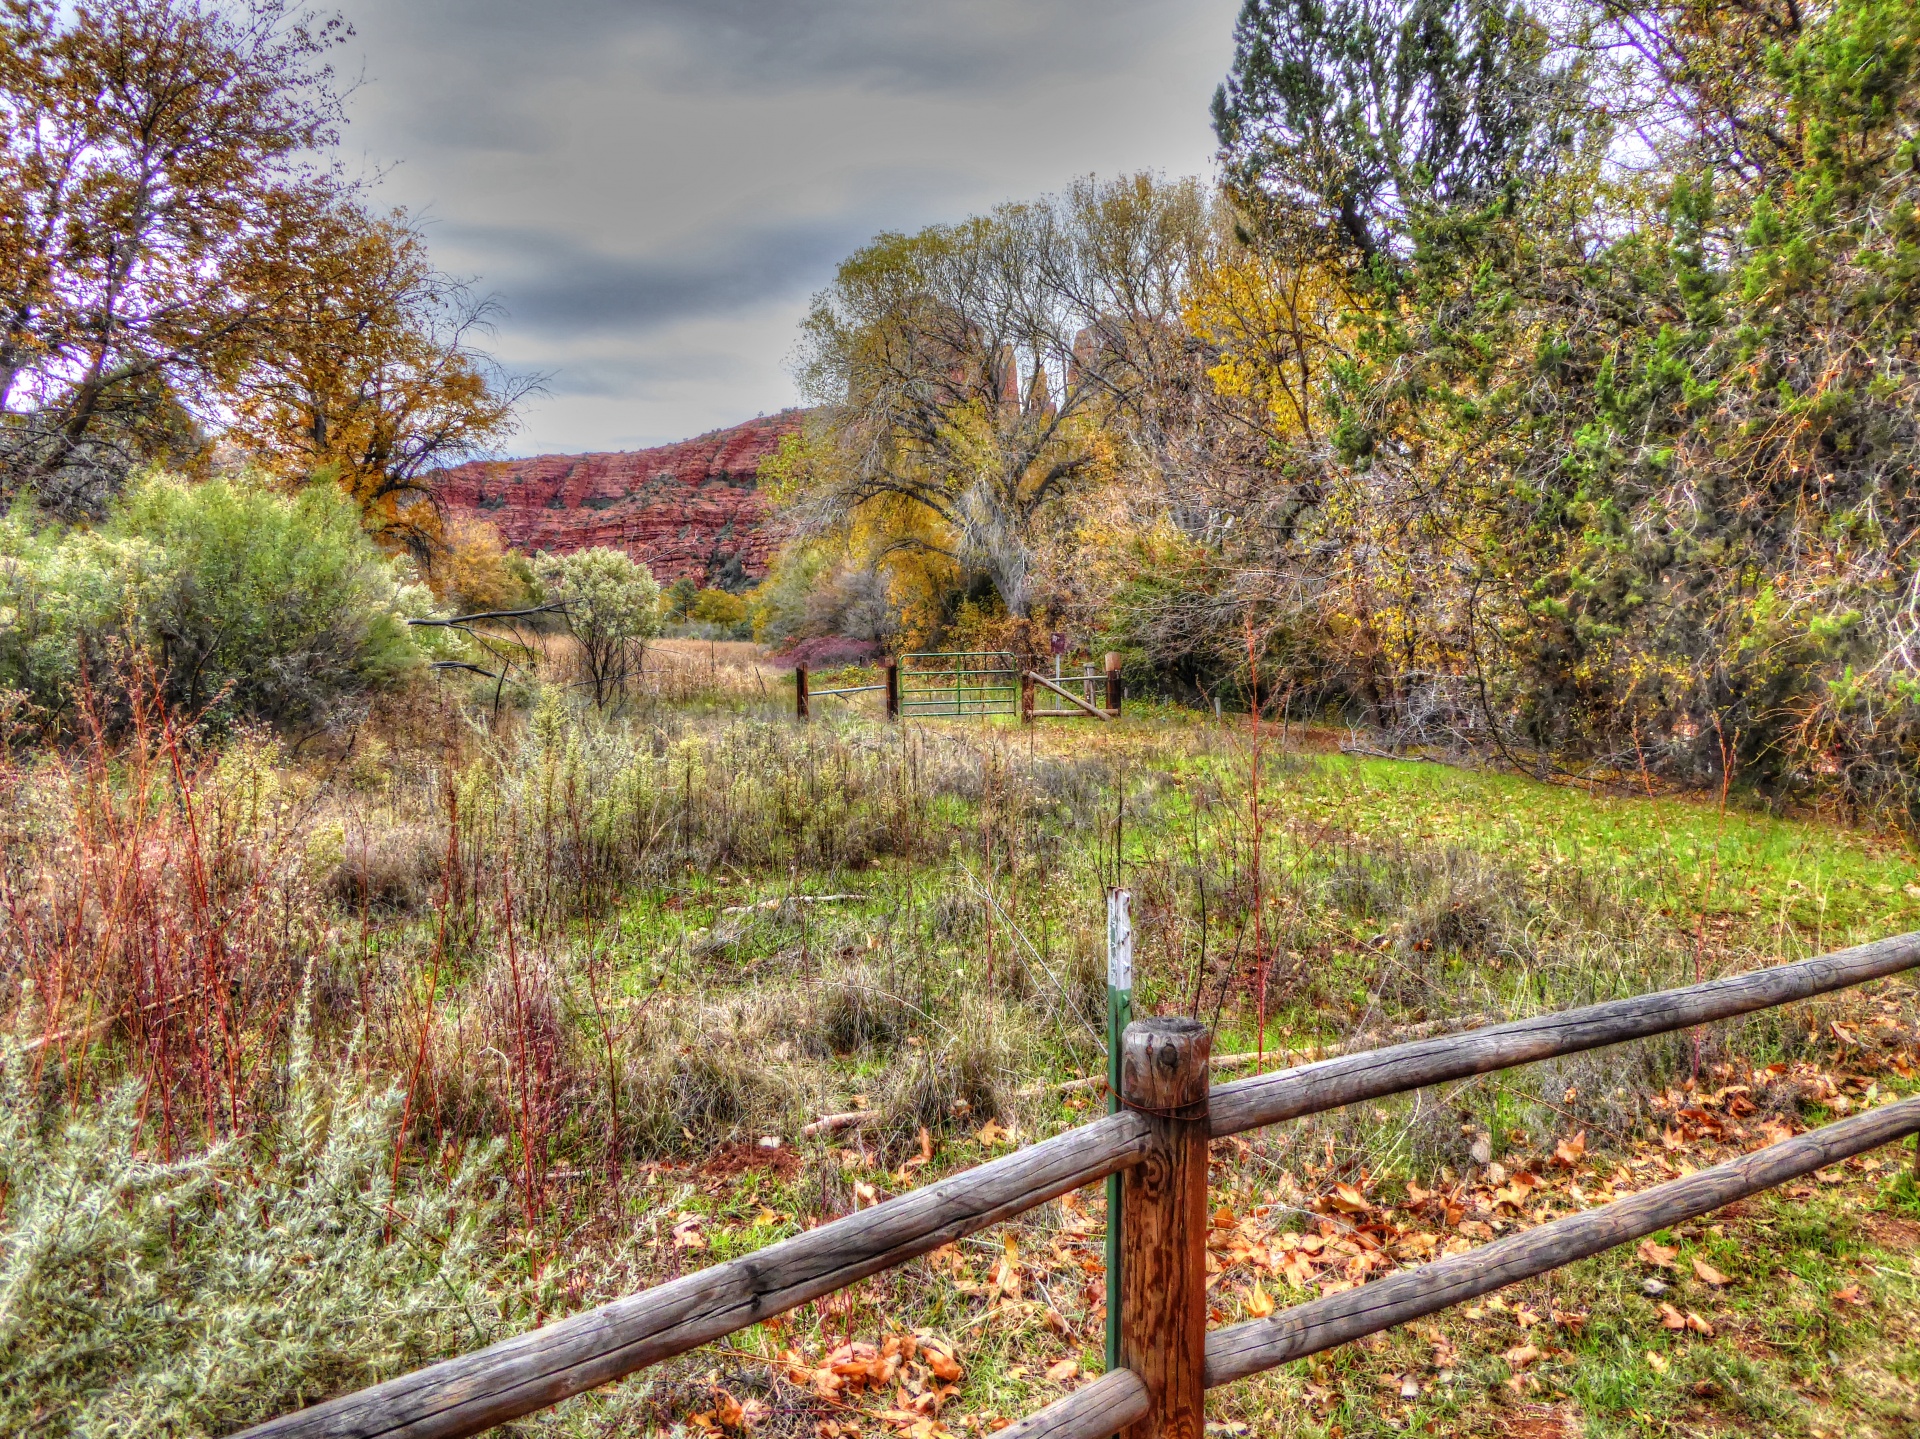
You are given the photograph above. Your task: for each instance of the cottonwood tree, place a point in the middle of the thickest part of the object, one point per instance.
(374, 374)
(177, 261)
(148, 145)
(964, 372)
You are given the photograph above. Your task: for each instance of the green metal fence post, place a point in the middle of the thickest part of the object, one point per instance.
(1119, 1016)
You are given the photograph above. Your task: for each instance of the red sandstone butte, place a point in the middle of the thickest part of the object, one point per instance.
(689, 509)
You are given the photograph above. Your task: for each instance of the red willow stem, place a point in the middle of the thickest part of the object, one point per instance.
(433, 984)
(520, 1045)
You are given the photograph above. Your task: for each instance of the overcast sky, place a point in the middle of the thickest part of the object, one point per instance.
(653, 188)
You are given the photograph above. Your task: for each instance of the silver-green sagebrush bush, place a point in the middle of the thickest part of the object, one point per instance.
(192, 1297)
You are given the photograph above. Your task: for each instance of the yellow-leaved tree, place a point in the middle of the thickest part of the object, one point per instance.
(375, 376)
(970, 378)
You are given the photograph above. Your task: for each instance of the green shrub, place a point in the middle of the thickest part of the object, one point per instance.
(719, 607)
(189, 1298)
(612, 605)
(248, 599)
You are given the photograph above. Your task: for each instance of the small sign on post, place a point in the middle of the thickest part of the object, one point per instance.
(1119, 1016)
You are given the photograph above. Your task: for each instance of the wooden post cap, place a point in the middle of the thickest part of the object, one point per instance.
(1163, 1064)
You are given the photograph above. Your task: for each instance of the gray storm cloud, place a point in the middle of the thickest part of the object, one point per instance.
(653, 190)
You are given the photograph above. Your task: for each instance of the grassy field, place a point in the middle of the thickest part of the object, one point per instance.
(608, 969)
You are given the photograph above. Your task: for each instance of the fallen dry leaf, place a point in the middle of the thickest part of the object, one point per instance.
(1852, 1294)
(1656, 1362)
(1707, 1274)
(1522, 1355)
(1699, 1325)
(944, 1366)
(1006, 1274)
(1659, 1255)
(1259, 1304)
(728, 1410)
(1348, 1200)
(1063, 1371)
(1571, 1151)
(1671, 1318)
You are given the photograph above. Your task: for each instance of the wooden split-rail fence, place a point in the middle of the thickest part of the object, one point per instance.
(1157, 1143)
(977, 685)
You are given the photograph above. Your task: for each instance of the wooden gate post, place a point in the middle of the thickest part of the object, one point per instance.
(1113, 684)
(893, 689)
(799, 691)
(1163, 1241)
(1026, 698)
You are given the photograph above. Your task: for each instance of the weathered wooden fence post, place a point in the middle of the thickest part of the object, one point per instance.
(1113, 683)
(1026, 697)
(800, 691)
(1163, 1242)
(893, 689)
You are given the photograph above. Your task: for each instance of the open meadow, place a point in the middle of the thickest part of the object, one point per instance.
(321, 1065)
(627, 631)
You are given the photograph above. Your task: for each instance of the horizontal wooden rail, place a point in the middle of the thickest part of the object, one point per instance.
(1094, 1410)
(1065, 695)
(1315, 1088)
(533, 1370)
(1340, 1318)
(1321, 1324)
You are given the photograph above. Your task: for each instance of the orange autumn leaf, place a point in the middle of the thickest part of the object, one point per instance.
(1348, 1200)
(1707, 1274)
(1659, 1255)
(944, 1366)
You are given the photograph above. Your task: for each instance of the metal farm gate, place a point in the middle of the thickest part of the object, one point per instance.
(978, 684)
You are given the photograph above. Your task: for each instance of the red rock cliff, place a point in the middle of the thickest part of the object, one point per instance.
(690, 509)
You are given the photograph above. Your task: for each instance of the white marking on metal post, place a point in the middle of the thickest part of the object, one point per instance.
(1120, 939)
